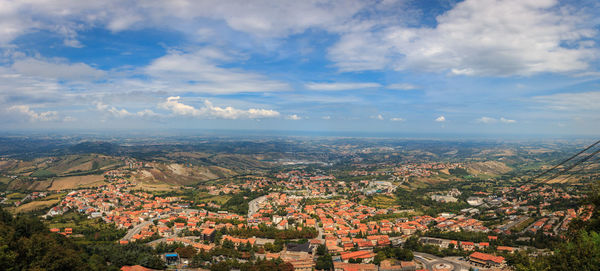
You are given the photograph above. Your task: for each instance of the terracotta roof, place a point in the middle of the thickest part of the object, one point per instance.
(357, 255)
(135, 268)
(487, 257)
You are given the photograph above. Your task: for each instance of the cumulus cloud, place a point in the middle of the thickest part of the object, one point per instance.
(397, 119)
(33, 116)
(440, 119)
(122, 113)
(379, 117)
(340, 86)
(477, 37)
(293, 117)
(174, 105)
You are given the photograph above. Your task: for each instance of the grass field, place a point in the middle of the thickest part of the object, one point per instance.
(380, 201)
(36, 205)
(55, 196)
(15, 196)
(154, 186)
(206, 197)
(5, 180)
(77, 182)
(42, 173)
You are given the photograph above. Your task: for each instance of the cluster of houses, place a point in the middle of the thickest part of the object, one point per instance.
(351, 231)
(65, 231)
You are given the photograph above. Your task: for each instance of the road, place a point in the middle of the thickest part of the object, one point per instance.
(320, 230)
(135, 230)
(431, 260)
(253, 205)
(514, 223)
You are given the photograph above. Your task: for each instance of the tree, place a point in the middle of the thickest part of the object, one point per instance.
(379, 257)
(228, 244)
(324, 262)
(186, 252)
(321, 250)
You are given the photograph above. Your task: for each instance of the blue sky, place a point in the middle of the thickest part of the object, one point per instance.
(431, 67)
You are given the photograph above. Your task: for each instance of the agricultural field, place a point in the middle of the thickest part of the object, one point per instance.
(206, 197)
(76, 182)
(155, 186)
(36, 205)
(380, 201)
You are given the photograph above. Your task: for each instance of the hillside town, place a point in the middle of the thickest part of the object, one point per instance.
(302, 217)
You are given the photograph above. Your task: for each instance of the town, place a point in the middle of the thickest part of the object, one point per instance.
(313, 220)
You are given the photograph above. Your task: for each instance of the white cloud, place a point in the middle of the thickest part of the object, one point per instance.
(440, 119)
(379, 117)
(402, 86)
(122, 113)
(360, 51)
(589, 101)
(486, 120)
(260, 18)
(56, 69)
(199, 72)
(210, 111)
(72, 43)
(33, 116)
(477, 37)
(340, 86)
(147, 113)
(113, 110)
(293, 117)
(326, 117)
(503, 120)
(397, 119)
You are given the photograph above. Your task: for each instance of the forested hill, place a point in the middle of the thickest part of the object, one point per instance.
(26, 244)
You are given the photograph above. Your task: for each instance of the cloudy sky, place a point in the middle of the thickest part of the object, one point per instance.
(422, 66)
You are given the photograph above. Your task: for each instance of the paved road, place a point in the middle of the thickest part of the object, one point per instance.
(320, 230)
(253, 205)
(135, 230)
(514, 223)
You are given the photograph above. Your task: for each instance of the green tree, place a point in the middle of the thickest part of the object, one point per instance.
(321, 250)
(324, 262)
